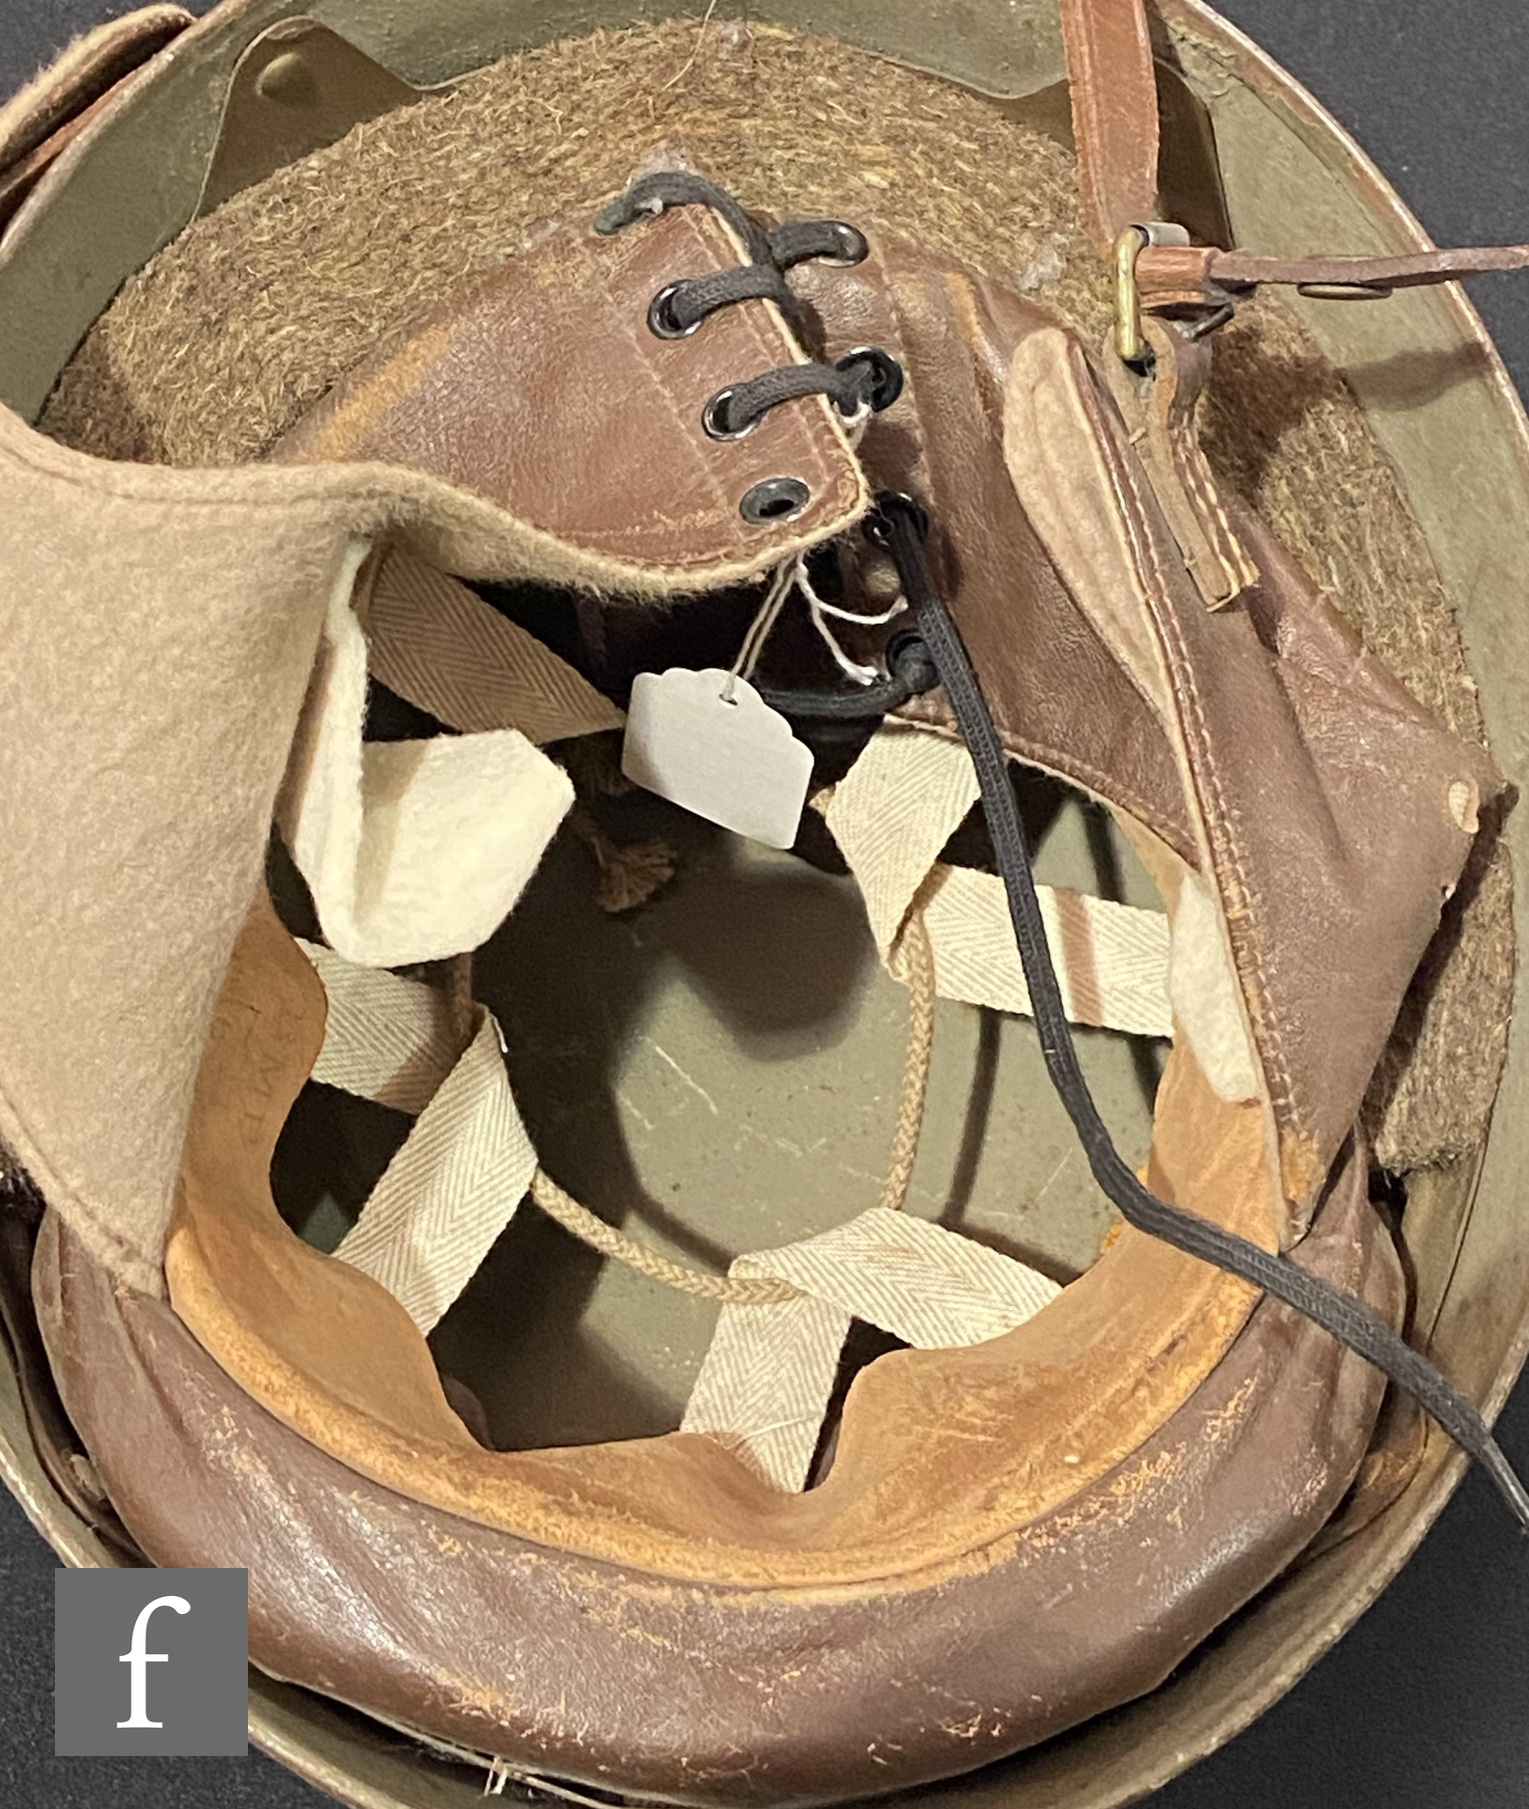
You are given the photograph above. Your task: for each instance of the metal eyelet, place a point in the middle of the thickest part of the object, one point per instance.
(775, 499)
(886, 383)
(714, 418)
(661, 321)
(876, 525)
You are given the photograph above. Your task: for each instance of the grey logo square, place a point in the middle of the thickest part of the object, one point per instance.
(151, 1661)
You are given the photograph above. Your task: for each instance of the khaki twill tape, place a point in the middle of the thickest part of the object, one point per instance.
(457, 1179)
(769, 1374)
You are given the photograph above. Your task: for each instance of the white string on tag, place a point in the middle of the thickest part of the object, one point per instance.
(781, 580)
(708, 741)
(818, 609)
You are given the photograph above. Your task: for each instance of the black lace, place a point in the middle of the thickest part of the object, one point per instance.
(865, 379)
(910, 672)
(901, 526)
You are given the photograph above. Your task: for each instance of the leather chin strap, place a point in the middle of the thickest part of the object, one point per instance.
(1115, 125)
(1169, 276)
(1114, 113)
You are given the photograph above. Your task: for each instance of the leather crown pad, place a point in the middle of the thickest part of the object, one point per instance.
(543, 389)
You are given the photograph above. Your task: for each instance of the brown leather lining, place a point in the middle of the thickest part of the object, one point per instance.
(177, 1384)
(717, 1691)
(995, 1435)
(1006, 1432)
(55, 1441)
(542, 388)
(1062, 699)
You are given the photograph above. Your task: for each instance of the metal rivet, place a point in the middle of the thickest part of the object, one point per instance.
(854, 248)
(288, 80)
(886, 374)
(714, 419)
(1464, 806)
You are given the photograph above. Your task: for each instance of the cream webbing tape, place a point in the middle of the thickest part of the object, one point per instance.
(438, 644)
(458, 1177)
(769, 1373)
(1111, 959)
(894, 811)
(416, 850)
(385, 1037)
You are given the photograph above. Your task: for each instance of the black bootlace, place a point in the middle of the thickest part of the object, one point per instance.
(900, 526)
(866, 379)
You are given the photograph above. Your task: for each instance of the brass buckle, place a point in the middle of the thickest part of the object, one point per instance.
(1130, 345)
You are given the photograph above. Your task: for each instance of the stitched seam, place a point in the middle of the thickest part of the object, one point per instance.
(1201, 489)
(1105, 785)
(1217, 820)
(784, 340)
(1221, 824)
(628, 326)
(1078, 371)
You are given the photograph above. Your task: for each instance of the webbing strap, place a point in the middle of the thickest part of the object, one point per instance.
(891, 815)
(770, 1371)
(437, 643)
(460, 1175)
(464, 1168)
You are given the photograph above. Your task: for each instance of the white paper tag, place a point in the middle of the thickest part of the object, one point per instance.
(730, 759)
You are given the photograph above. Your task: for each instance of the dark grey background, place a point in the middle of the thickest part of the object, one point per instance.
(1426, 1704)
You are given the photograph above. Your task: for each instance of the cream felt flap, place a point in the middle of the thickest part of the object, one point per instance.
(157, 646)
(413, 850)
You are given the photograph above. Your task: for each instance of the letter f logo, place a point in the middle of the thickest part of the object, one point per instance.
(139, 1659)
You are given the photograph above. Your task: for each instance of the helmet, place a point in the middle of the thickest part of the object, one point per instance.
(733, 526)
